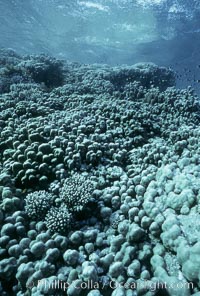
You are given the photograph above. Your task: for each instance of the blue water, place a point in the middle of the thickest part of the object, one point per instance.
(115, 32)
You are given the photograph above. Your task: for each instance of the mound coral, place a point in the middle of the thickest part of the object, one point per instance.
(123, 136)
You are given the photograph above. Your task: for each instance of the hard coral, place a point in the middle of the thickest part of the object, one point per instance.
(38, 204)
(76, 192)
(59, 219)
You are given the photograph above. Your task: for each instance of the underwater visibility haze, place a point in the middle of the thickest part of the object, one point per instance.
(115, 32)
(99, 147)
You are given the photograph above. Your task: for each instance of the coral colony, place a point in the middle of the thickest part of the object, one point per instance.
(99, 180)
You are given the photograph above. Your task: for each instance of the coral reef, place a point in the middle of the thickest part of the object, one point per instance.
(100, 180)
